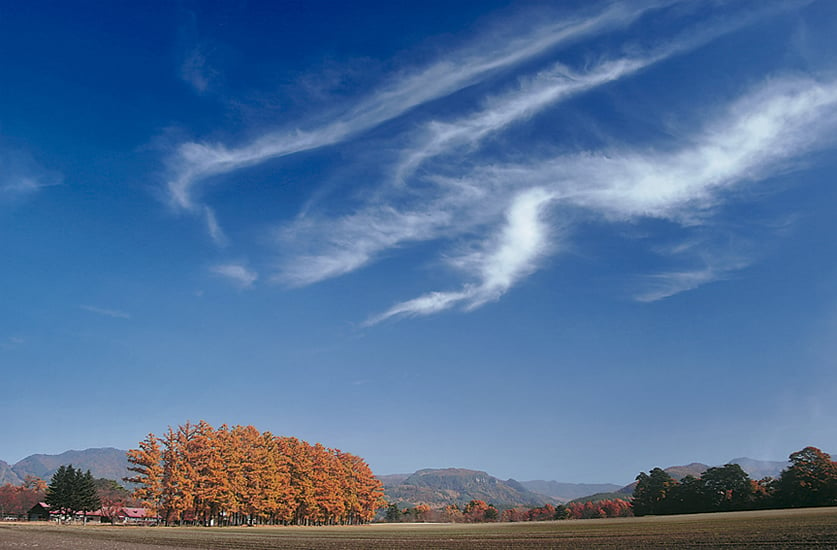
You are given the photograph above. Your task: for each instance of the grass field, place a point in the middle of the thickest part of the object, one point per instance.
(807, 528)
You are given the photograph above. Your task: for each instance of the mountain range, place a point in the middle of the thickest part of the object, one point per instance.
(565, 492)
(441, 487)
(108, 463)
(435, 487)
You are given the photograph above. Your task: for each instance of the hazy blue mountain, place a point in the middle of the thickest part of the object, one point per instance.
(565, 492)
(7, 475)
(758, 469)
(105, 462)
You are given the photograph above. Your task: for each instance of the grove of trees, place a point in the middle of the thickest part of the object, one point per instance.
(608, 508)
(238, 475)
(810, 480)
(71, 491)
(17, 500)
(475, 511)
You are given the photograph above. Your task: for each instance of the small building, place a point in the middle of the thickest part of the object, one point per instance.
(39, 512)
(137, 516)
(43, 512)
(90, 517)
(124, 515)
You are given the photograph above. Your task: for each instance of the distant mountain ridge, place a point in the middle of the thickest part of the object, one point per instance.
(105, 462)
(565, 492)
(758, 469)
(441, 487)
(7, 475)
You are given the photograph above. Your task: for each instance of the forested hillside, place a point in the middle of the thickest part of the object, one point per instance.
(456, 486)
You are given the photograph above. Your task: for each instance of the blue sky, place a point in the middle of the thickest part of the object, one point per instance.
(564, 241)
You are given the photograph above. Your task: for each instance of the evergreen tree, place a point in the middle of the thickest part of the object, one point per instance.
(651, 492)
(88, 496)
(70, 491)
(727, 487)
(688, 496)
(393, 513)
(59, 491)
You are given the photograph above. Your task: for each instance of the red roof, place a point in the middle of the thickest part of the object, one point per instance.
(136, 512)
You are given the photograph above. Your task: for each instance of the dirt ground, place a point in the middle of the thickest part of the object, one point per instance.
(809, 528)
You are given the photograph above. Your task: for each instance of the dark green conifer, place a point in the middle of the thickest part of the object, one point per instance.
(70, 491)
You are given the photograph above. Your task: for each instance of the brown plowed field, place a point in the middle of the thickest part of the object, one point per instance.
(809, 528)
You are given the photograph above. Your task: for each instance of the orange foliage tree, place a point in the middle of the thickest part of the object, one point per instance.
(16, 500)
(478, 511)
(233, 476)
(600, 509)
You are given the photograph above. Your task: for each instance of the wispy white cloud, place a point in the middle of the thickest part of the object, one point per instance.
(20, 175)
(106, 312)
(503, 214)
(11, 342)
(664, 285)
(237, 273)
(358, 238)
(510, 256)
(215, 232)
(547, 88)
(756, 137)
(196, 70)
(762, 134)
(353, 241)
(659, 286)
(192, 163)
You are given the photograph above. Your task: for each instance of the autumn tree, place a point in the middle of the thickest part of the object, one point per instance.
(113, 498)
(362, 491)
(452, 513)
(514, 515)
(763, 492)
(727, 487)
(147, 464)
(811, 480)
(34, 483)
(651, 491)
(199, 474)
(541, 513)
(16, 500)
(478, 511)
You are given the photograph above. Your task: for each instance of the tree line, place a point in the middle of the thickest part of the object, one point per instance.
(237, 475)
(810, 480)
(606, 508)
(477, 511)
(17, 500)
(65, 491)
